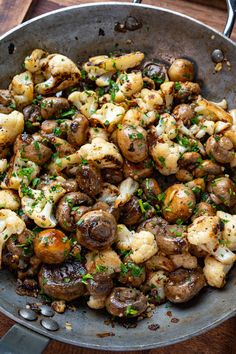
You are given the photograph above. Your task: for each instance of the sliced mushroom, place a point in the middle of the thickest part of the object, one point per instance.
(32, 149)
(153, 225)
(189, 160)
(126, 302)
(151, 189)
(100, 284)
(69, 207)
(112, 175)
(184, 284)
(208, 168)
(32, 117)
(64, 281)
(96, 230)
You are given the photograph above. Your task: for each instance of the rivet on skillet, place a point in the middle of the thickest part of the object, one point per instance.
(49, 324)
(28, 314)
(46, 311)
(217, 56)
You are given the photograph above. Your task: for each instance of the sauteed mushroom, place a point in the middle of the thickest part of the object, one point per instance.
(96, 230)
(53, 107)
(63, 281)
(184, 284)
(126, 302)
(222, 191)
(220, 148)
(89, 179)
(181, 70)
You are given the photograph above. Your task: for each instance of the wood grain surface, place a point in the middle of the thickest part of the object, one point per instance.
(221, 340)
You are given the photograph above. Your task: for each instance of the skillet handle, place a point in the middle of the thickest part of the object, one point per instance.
(137, 1)
(20, 340)
(231, 5)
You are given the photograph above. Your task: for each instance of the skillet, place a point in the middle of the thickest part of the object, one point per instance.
(88, 30)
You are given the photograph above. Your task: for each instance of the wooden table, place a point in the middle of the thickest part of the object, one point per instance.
(221, 340)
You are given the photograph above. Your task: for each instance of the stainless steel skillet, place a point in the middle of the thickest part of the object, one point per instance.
(79, 32)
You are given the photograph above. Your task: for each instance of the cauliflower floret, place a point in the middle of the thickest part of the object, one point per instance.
(9, 200)
(128, 85)
(38, 204)
(97, 133)
(34, 62)
(11, 125)
(167, 125)
(105, 154)
(20, 171)
(109, 115)
(107, 258)
(150, 100)
(59, 72)
(3, 165)
(212, 111)
(229, 231)
(10, 224)
(60, 163)
(109, 193)
(86, 102)
(157, 280)
(97, 66)
(205, 233)
(96, 302)
(168, 90)
(142, 244)
(127, 188)
(166, 155)
(215, 272)
(22, 89)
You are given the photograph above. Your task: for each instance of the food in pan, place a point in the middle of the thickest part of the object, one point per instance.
(117, 182)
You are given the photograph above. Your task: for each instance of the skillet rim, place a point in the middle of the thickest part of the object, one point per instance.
(80, 342)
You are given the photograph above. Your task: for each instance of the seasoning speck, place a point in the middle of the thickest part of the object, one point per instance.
(105, 334)
(169, 313)
(154, 327)
(174, 320)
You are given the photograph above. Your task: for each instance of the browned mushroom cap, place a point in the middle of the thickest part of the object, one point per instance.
(184, 284)
(151, 189)
(153, 225)
(179, 203)
(184, 112)
(130, 212)
(132, 274)
(78, 130)
(48, 126)
(203, 208)
(181, 70)
(138, 170)
(64, 281)
(112, 175)
(187, 91)
(53, 107)
(32, 149)
(100, 284)
(189, 160)
(96, 230)
(32, 117)
(197, 185)
(89, 179)
(220, 148)
(155, 71)
(208, 168)
(126, 302)
(172, 239)
(132, 142)
(66, 209)
(51, 246)
(70, 185)
(160, 262)
(184, 176)
(222, 191)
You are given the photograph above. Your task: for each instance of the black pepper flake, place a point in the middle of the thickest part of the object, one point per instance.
(11, 48)
(101, 32)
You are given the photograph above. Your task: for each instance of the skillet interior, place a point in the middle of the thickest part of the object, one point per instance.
(80, 32)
